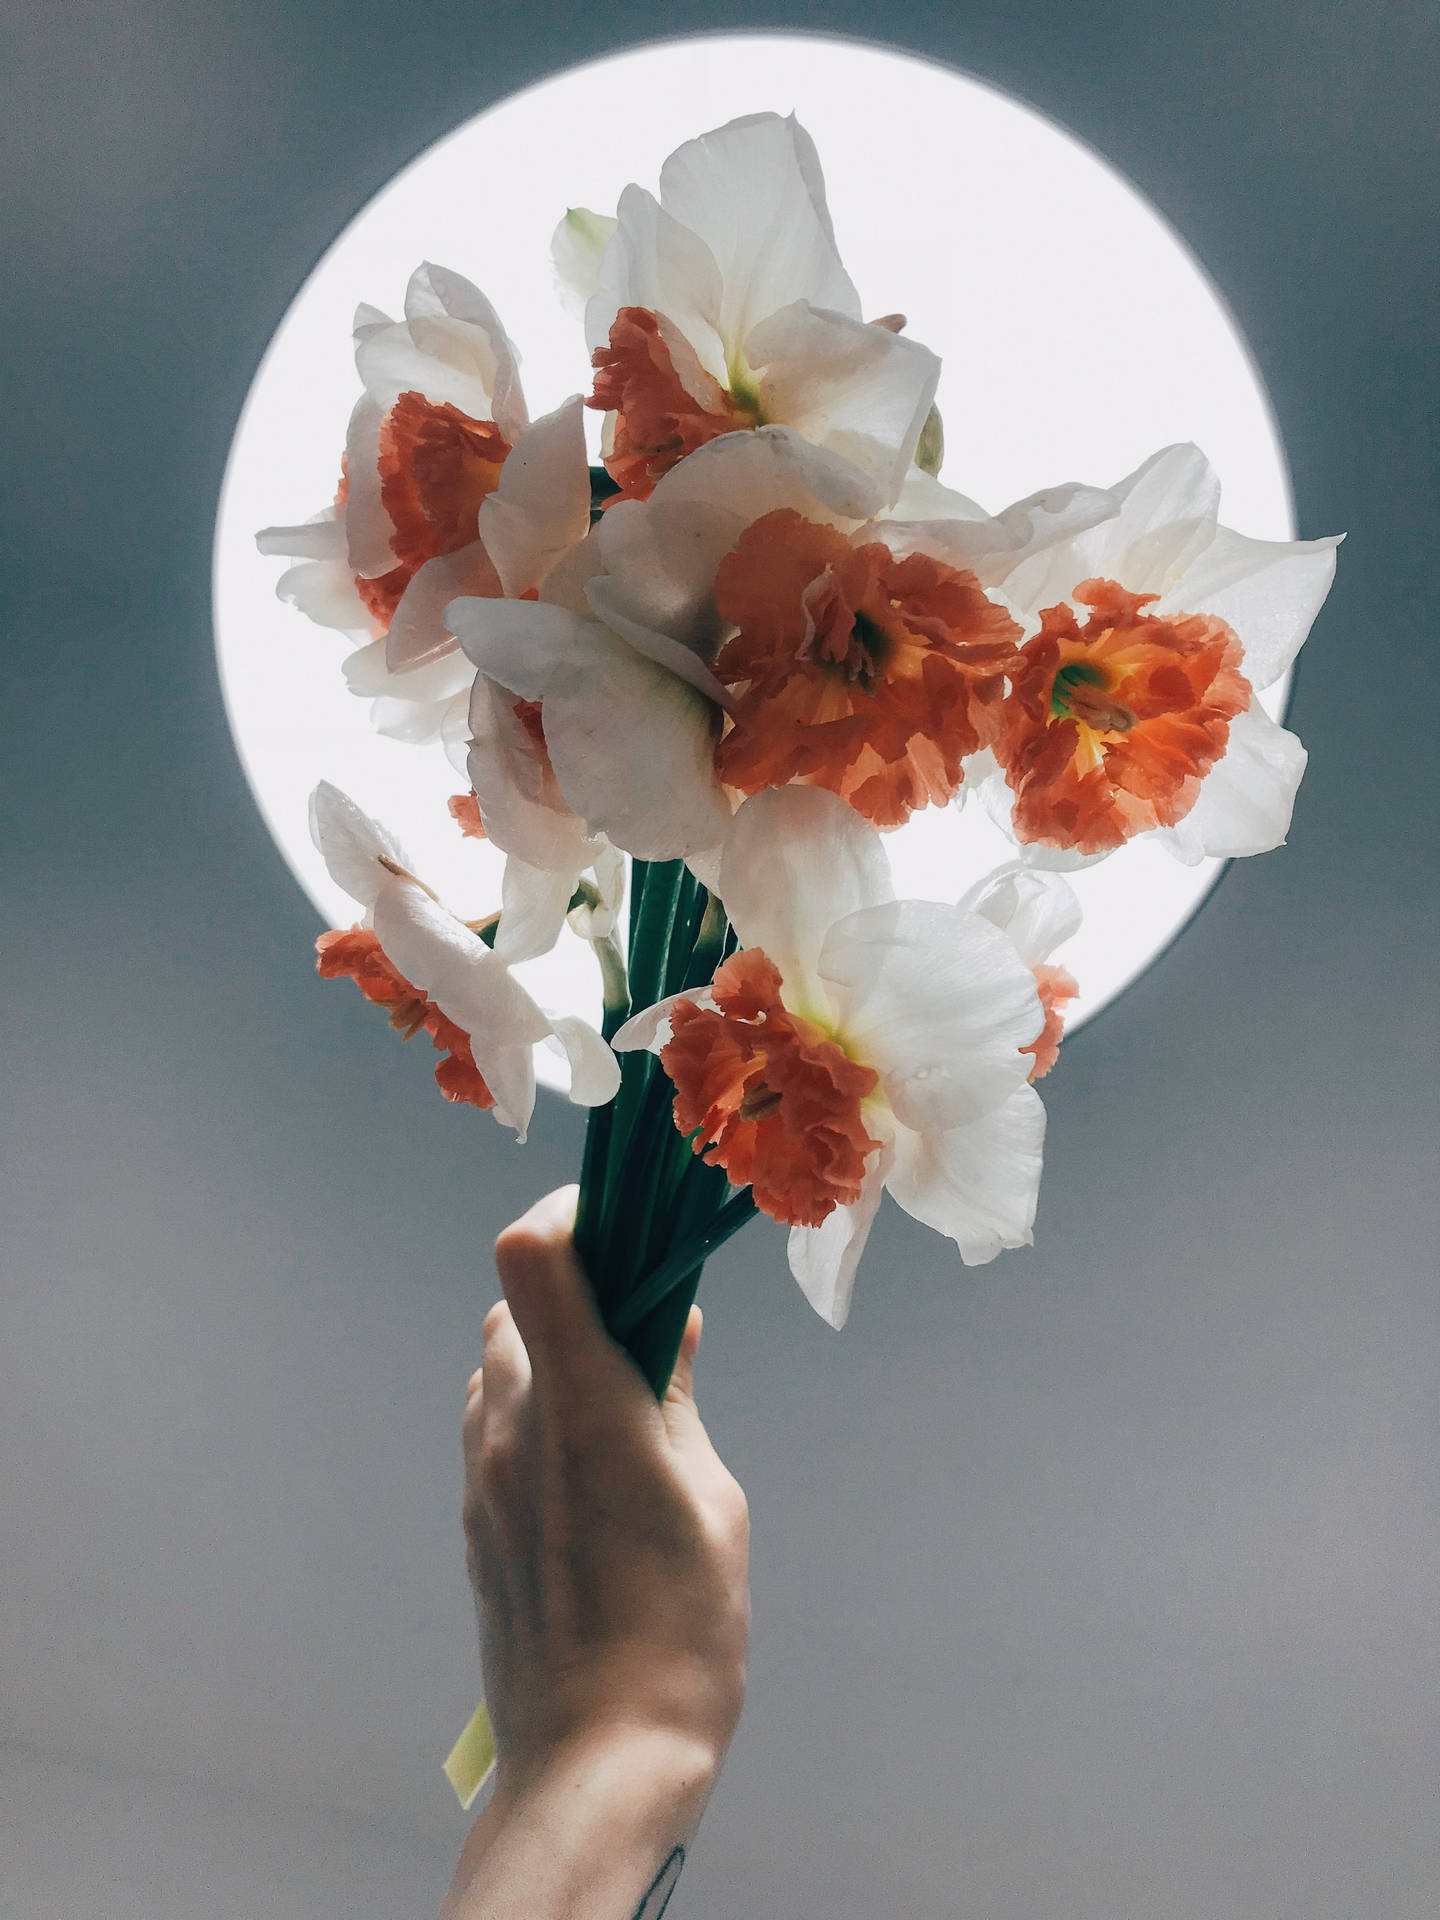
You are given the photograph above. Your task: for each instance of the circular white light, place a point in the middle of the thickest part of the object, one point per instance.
(1078, 334)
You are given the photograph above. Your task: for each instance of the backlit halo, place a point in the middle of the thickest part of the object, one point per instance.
(1001, 238)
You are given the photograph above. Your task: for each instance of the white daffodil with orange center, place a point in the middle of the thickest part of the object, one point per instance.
(853, 669)
(750, 625)
(723, 305)
(855, 1043)
(445, 489)
(435, 974)
(1132, 707)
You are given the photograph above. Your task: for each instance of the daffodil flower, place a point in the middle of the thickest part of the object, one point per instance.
(412, 954)
(579, 739)
(446, 489)
(1132, 707)
(763, 617)
(723, 305)
(855, 1043)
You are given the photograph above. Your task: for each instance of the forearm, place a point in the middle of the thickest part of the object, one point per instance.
(599, 1834)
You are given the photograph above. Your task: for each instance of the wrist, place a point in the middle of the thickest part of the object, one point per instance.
(649, 1768)
(589, 1823)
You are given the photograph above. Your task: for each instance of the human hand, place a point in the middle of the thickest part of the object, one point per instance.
(608, 1547)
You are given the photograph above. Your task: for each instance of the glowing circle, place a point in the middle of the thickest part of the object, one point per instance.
(1001, 237)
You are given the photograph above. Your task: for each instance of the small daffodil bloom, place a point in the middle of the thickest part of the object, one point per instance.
(412, 954)
(446, 489)
(1132, 707)
(856, 1042)
(723, 305)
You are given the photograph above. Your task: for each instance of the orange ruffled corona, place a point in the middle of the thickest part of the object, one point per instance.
(854, 670)
(1113, 722)
(437, 465)
(1057, 988)
(464, 810)
(664, 402)
(770, 1097)
(356, 952)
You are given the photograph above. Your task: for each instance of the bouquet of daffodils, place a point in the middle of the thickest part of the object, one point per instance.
(693, 687)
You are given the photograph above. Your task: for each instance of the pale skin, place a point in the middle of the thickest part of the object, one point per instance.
(608, 1549)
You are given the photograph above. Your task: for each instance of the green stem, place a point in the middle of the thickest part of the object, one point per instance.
(694, 1253)
(650, 1212)
(615, 991)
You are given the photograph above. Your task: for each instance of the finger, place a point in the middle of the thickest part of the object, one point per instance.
(553, 1307)
(682, 1380)
(505, 1365)
(678, 1408)
(474, 1415)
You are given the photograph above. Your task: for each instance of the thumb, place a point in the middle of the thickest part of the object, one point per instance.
(680, 1413)
(547, 1293)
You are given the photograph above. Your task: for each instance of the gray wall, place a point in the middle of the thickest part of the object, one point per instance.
(1100, 1584)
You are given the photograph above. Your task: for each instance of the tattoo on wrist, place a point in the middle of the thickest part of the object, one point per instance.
(657, 1896)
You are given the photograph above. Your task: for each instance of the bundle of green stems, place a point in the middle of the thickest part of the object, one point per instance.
(651, 1211)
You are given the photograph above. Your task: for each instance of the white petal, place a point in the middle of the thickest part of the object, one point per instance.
(565, 584)
(417, 706)
(520, 643)
(325, 592)
(1176, 484)
(533, 905)
(576, 248)
(320, 539)
(524, 812)
(594, 1070)
(996, 550)
(824, 1258)
(352, 845)
(452, 318)
(652, 261)
(923, 497)
(368, 318)
(368, 675)
(650, 1028)
(705, 865)
(753, 192)
(472, 987)
(454, 732)
(633, 749)
(979, 1184)
(608, 604)
(1269, 591)
(753, 473)
(598, 922)
(1164, 515)
(858, 390)
(367, 525)
(1036, 911)
(796, 859)
(420, 724)
(1247, 797)
(1061, 859)
(417, 633)
(453, 367)
(938, 1000)
(661, 556)
(541, 506)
